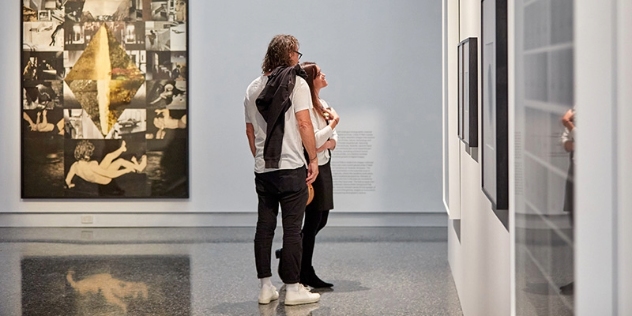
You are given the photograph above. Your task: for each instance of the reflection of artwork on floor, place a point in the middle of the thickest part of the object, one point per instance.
(103, 71)
(106, 285)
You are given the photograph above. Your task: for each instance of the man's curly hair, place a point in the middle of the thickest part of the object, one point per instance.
(84, 149)
(278, 53)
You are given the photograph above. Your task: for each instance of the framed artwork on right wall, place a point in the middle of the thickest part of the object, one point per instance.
(468, 91)
(495, 142)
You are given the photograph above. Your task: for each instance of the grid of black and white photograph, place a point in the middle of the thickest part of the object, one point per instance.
(104, 99)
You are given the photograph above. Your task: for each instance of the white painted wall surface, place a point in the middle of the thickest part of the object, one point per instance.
(382, 61)
(478, 243)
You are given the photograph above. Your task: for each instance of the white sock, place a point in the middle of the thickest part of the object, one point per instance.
(291, 287)
(266, 281)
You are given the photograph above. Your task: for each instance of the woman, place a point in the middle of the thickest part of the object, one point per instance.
(324, 120)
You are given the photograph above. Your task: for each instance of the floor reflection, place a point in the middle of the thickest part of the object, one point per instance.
(211, 271)
(105, 285)
(544, 267)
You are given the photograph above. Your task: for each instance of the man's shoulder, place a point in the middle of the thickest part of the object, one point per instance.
(300, 83)
(257, 84)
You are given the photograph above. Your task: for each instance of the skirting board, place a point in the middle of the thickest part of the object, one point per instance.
(439, 219)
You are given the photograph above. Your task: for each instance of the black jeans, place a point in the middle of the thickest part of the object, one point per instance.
(288, 189)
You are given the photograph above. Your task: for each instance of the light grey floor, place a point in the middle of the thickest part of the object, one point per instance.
(210, 271)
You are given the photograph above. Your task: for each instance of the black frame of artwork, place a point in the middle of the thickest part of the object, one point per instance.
(468, 91)
(495, 81)
(105, 100)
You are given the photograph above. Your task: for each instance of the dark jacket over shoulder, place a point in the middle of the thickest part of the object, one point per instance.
(272, 103)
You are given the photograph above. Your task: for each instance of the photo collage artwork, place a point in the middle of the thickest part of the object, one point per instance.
(104, 99)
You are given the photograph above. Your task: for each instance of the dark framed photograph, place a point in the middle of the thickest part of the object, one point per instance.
(495, 151)
(468, 91)
(104, 99)
(460, 93)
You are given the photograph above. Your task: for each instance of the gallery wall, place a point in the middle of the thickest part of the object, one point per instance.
(478, 243)
(382, 61)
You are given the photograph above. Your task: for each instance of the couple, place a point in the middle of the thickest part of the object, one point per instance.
(290, 131)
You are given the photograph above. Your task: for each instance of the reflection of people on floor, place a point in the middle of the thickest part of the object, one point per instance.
(41, 123)
(163, 121)
(101, 172)
(169, 91)
(568, 142)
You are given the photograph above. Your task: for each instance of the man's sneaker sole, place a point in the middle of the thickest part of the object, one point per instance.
(302, 301)
(270, 299)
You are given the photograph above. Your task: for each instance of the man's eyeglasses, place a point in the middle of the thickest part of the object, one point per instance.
(299, 54)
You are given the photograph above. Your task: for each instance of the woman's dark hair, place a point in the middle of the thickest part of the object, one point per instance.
(312, 72)
(278, 53)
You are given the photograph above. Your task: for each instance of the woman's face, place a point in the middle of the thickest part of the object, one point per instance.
(319, 81)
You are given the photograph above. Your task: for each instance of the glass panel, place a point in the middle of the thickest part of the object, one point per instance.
(544, 118)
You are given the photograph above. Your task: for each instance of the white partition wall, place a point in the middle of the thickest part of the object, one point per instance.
(603, 236)
(624, 156)
(567, 54)
(478, 242)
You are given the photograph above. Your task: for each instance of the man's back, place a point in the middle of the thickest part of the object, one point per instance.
(292, 156)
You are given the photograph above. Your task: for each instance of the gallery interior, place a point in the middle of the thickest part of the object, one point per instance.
(457, 186)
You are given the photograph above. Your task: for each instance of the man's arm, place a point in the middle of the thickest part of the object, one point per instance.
(250, 133)
(306, 130)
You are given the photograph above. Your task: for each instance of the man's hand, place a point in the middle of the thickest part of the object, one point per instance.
(312, 171)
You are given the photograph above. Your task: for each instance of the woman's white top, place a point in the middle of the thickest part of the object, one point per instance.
(322, 132)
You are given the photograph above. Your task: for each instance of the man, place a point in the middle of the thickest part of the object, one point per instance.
(279, 131)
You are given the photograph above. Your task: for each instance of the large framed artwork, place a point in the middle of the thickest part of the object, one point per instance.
(104, 99)
(495, 151)
(468, 91)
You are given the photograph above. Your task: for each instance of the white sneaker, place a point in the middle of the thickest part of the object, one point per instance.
(302, 296)
(267, 294)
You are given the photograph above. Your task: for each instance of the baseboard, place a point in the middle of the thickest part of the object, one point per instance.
(354, 219)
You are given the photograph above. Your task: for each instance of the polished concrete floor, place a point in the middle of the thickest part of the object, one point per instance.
(210, 271)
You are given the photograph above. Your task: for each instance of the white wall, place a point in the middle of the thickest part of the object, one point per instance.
(480, 250)
(382, 60)
(478, 243)
(624, 156)
(604, 250)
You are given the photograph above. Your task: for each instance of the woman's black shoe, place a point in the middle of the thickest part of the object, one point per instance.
(310, 278)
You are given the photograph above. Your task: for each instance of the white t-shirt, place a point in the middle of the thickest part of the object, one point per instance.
(292, 156)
